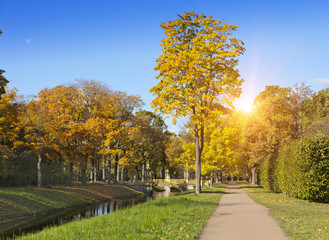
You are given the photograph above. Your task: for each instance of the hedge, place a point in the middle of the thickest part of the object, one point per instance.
(299, 170)
(267, 173)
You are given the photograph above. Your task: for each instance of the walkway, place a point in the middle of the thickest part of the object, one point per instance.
(238, 217)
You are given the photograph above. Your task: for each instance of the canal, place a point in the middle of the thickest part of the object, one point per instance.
(35, 224)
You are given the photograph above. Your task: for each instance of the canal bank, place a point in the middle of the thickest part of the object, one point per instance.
(18, 206)
(178, 217)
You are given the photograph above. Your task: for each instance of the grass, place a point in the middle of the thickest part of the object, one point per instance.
(219, 185)
(17, 205)
(177, 217)
(300, 219)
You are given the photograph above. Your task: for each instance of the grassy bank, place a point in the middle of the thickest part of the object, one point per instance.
(178, 217)
(300, 219)
(18, 205)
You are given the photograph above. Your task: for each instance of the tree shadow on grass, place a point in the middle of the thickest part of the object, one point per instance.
(217, 191)
(184, 202)
(250, 186)
(212, 191)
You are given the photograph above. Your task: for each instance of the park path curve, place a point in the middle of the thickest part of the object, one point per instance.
(238, 217)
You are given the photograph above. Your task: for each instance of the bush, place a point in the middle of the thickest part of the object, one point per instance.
(22, 171)
(299, 170)
(288, 173)
(314, 165)
(267, 173)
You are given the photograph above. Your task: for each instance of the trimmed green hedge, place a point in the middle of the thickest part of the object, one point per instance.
(22, 171)
(299, 170)
(289, 174)
(268, 173)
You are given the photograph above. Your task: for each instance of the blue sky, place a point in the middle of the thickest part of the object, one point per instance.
(47, 43)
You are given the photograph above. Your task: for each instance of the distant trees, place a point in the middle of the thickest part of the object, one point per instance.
(316, 113)
(197, 73)
(150, 137)
(278, 118)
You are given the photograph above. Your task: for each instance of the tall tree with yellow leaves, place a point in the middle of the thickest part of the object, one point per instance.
(197, 73)
(63, 115)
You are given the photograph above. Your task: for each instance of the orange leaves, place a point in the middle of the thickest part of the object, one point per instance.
(8, 117)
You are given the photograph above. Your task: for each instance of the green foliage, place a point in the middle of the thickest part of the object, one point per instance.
(314, 161)
(300, 170)
(268, 173)
(20, 171)
(317, 113)
(289, 175)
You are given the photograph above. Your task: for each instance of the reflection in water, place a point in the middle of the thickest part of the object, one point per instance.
(37, 223)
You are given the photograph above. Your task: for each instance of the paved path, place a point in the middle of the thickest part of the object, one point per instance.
(238, 217)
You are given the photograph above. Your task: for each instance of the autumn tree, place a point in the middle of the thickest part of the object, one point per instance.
(9, 123)
(224, 139)
(299, 98)
(150, 138)
(63, 117)
(117, 140)
(317, 113)
(276, 120)
(197, 72)
(33, 121)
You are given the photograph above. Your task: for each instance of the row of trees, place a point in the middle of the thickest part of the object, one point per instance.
(85, 125)
(291, 143)
(282, 115)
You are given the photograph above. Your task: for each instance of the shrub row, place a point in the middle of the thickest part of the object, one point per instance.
(299, 170)
(22, 171)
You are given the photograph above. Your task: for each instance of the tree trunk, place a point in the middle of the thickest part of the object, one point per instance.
(247, 175)
(160, 173)
(71, 174)
(253, 175)
(104, 172)
(96, 169)
(197, 161)
(109, 169)
(217, 176)
(143, 171)
(143, 167)
(92, 171)
(163, 172)
(138, 173)
(83, 171)
(118, 172)
(116, 168)
(211, 179)
(122, 173)
(83, 177)
(39, 170)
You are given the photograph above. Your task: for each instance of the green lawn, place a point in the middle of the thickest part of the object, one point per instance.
(300, 219)
(18, 205)
(177, 217)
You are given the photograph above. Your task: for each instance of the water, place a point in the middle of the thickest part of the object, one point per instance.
(35, 224)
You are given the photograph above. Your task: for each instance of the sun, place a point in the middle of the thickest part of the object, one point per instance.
(245, 106)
